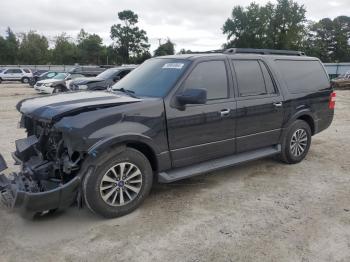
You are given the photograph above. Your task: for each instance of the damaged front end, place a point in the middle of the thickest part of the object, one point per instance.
(48, 177)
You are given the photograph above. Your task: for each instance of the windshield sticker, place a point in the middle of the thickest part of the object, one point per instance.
(173, 65)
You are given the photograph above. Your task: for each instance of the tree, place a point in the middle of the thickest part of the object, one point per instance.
(341, 50)
(3, 50)
(33, 48)
(168, 48)
(280, 26)
(130, 41)
(10, 47)
(329, 39)
(184, 51)
(65, 51)
(90, 47)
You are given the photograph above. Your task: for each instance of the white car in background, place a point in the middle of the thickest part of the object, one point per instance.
(16, 74)
(59, 83)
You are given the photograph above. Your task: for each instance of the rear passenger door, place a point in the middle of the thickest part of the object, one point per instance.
(259, 105)
(17, 74)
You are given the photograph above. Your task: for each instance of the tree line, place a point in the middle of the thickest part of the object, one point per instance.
(277, 26)
(284, 26)
(130, 45)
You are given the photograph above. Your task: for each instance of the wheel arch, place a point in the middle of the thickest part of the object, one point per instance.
(307, 116)
(140, 143)
(309, 120)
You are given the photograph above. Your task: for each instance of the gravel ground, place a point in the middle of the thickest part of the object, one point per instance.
(260, 211)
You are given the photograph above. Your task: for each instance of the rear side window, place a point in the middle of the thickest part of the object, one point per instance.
(210, 75)
(303, 76)
(13, 71)
(253, 78)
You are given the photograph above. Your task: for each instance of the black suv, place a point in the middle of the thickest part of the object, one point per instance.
(171, 118)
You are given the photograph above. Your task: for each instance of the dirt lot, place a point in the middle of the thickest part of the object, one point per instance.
(261, 211)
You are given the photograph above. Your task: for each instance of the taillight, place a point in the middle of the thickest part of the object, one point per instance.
(332, 100)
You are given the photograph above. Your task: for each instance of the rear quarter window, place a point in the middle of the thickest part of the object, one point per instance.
(303, 76)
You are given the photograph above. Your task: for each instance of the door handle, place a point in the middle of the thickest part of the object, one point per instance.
(278, 104)
(225, 112)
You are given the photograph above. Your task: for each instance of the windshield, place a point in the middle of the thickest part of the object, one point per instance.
(155, 77)
(60, 76)
(109, 73)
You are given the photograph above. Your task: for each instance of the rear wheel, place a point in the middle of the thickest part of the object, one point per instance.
(119, 185)
(25, 80)
(296, 143)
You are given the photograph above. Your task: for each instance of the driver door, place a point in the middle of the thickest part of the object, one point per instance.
(205, 131)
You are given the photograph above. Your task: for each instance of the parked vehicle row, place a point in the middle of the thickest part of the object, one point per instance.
(171, 118)
(103, 81)
(54, 82)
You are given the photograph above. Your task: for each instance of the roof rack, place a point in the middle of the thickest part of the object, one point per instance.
(262, 51)
(251, 51)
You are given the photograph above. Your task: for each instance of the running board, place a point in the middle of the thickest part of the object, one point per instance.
(211, 165)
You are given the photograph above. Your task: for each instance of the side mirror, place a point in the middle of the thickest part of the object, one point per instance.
(192, 96)
(116, 78)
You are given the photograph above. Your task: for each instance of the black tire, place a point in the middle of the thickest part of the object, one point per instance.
(25, 80)
(59, 89)
(0, 80)
(287, 154)
(93, 183)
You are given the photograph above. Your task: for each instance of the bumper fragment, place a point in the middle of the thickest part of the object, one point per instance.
(27, 197)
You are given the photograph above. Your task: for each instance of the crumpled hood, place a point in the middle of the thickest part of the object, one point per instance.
(54, 107)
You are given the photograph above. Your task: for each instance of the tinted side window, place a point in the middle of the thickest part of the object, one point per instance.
(303, 76)
(17, 71)
(249, 77)
(124, 73)
(210, 75)
(270, 88)
(26, 70)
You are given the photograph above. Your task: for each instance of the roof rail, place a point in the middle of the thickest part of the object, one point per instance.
(207, 52)
(262, 51)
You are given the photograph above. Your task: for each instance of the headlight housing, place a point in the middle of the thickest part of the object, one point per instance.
(47, 85)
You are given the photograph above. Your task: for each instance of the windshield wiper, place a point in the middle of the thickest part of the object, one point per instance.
(126, 91)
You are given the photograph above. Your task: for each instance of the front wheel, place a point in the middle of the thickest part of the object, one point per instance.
(59, 89)
(118, 185)
(296, 142)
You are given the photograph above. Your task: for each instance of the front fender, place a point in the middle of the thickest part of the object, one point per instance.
(103, 145)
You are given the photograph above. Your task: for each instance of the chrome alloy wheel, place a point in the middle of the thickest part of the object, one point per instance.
(298, 143)
(121, 184)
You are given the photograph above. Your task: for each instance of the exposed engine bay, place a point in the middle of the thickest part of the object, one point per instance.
(47, 165)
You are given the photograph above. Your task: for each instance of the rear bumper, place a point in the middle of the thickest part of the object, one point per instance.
(15, 193)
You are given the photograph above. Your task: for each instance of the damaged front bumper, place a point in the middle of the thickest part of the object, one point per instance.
(22, 194)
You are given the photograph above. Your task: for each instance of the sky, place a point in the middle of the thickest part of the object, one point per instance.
(190, 24)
